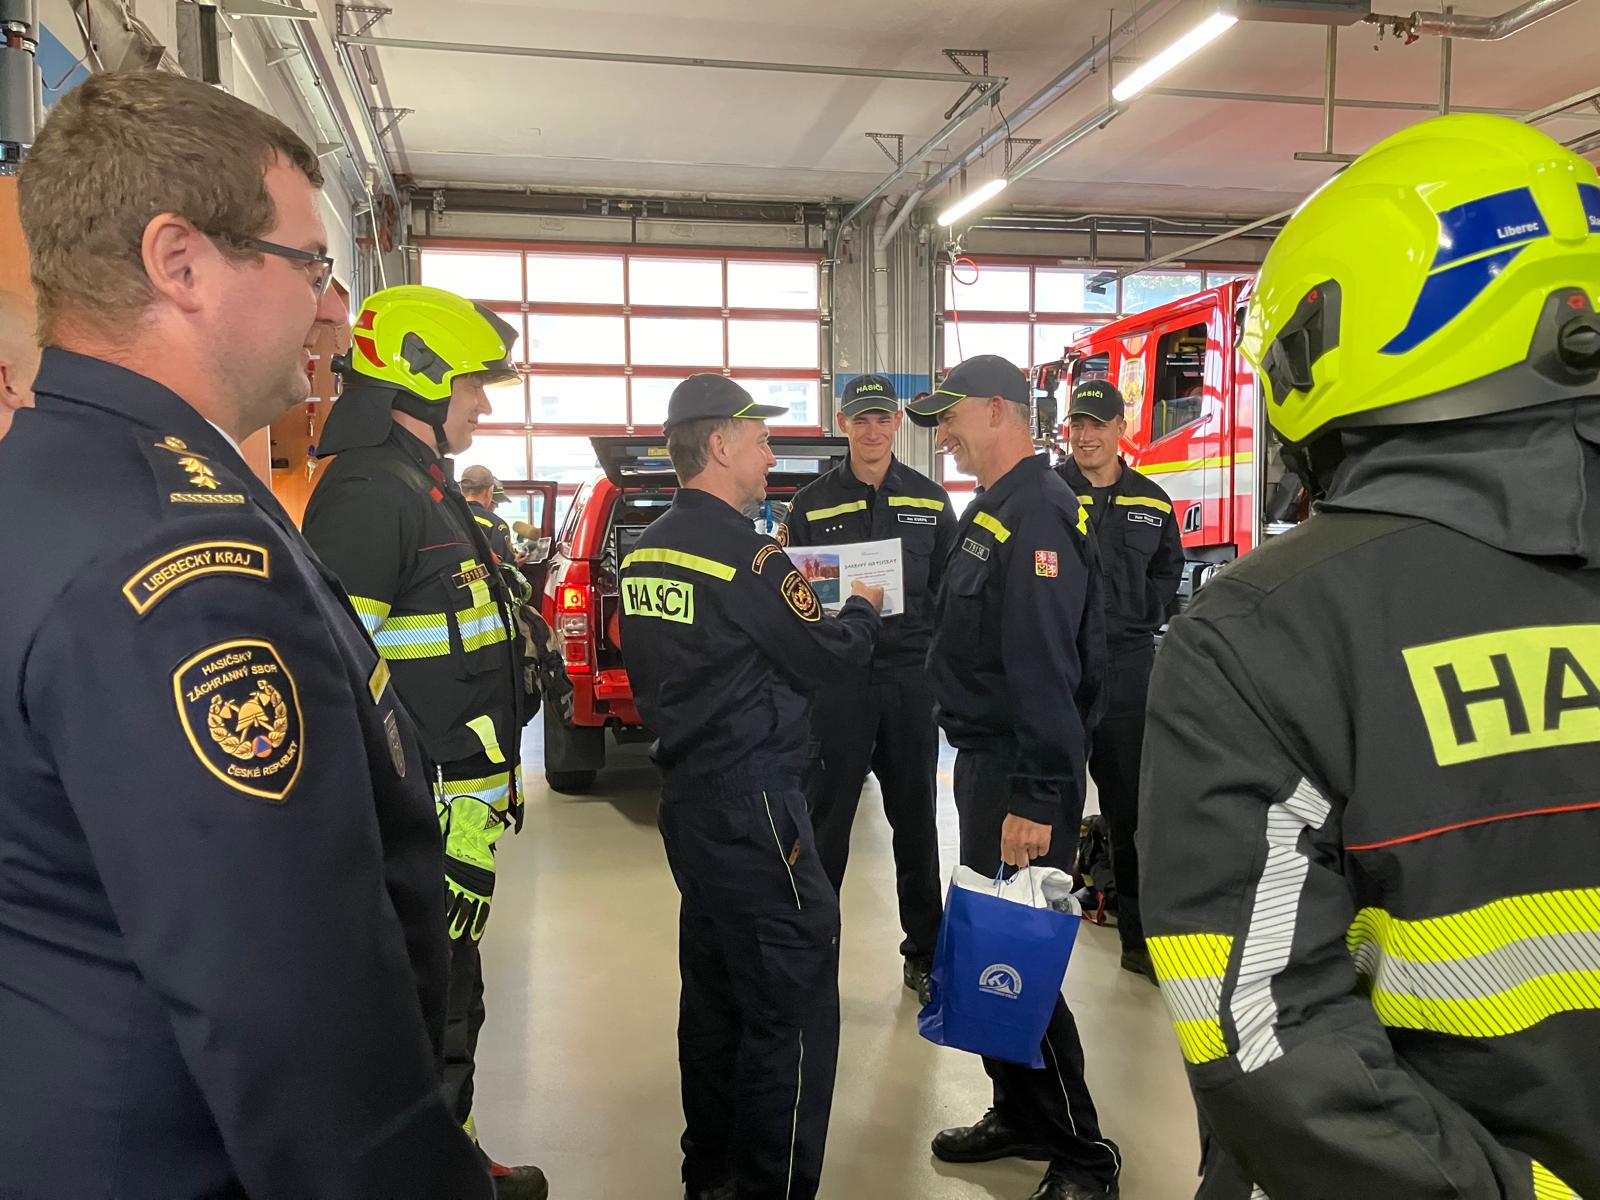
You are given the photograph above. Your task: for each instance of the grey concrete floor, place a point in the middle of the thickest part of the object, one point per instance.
(577, 1067)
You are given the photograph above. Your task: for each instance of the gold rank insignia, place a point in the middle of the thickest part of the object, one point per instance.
(782, 534)
(199, 475)
(240, 711)
(800, 597)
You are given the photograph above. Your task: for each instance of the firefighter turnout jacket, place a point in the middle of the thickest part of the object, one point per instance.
(390, 523)
(1371, 887)
(725, 640)
(1018, 649)
(222, 950)
(837, 507)
(1141, 553)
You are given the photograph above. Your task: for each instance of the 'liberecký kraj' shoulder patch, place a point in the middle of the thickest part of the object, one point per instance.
(240, 712)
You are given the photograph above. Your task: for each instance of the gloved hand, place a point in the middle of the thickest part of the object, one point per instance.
(517, 584)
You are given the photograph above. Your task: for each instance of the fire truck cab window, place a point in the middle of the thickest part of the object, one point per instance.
(1096, 366)
(1180, 380)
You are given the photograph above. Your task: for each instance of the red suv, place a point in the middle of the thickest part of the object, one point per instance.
(581, 596)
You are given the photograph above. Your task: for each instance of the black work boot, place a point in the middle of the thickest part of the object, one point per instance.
(518, 1183)
(1059, 1187)
(991, 1138)
(918, 974)
(1138, 961)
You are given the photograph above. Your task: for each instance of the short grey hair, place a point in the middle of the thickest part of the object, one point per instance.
(689, 444)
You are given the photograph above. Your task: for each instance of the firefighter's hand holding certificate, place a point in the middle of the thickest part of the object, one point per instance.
(833, 571)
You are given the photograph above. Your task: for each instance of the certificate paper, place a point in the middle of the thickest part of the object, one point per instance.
(832, 569)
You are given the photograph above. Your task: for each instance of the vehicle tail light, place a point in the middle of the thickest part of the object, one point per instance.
(573, 599)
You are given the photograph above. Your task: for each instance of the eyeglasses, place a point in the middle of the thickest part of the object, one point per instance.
(320, 270)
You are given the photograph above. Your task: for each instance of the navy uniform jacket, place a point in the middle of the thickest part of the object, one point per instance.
(725, 640)
(1018, 654)
(495, 529)
(222, 939)
(1141, 553)
(837, 507)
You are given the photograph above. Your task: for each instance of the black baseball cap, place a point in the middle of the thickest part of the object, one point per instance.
(869, 393)
(711, 395)
(1098, 398)
(981, 375)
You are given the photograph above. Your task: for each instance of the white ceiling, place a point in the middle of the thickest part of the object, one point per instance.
(563, 125)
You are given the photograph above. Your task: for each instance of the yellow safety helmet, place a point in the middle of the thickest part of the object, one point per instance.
(1452, 271)
(418, 339)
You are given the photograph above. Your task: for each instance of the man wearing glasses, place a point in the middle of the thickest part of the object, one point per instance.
(222, 936)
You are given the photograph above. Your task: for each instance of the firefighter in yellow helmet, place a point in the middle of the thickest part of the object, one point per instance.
(1370, 807)
(389, 520)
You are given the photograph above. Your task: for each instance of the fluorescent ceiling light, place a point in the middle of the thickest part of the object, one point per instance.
(1186, 47)
(971, 200)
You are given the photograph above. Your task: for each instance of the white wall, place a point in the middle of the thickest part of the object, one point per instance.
(253, 80)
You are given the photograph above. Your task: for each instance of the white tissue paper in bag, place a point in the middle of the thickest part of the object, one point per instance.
(1034, 887)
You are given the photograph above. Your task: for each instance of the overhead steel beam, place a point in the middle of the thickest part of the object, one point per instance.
(1392, 105)
(666, 60)
(1098, 56)
(1078, 132)
(1191, 250)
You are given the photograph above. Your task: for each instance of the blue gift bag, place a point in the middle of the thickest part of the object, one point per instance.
(997, 970)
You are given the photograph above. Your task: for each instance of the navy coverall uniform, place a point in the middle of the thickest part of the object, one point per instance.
(495, 530)
(222, 936)
(883, 721)
(724, 641)
(1141, 558)
(1016, 664)
(389, 522)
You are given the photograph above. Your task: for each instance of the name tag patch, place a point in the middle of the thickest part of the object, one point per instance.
(1145, 519)
(240, 712)
(664, 599)
(154, 581)
(976, 549)
(917, 519)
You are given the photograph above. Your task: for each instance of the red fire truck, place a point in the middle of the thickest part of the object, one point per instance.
(1194, 423)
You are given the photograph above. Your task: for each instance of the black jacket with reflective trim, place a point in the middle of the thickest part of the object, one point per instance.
(1369, 817)
(1018, 653)
(217, 897)
(390, 523)
(725, 641)
(837, 507)
(1141, 553)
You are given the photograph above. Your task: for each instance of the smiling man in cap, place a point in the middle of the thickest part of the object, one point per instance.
(1141, 552)
(1016, 664)
(724, 642)
(882, 722)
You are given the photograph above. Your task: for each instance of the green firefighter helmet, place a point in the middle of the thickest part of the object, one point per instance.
(419, 339)
(1452, 271)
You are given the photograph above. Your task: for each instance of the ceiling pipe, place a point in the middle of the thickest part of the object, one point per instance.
(972, 108)
(664, 60)
(1099, 121)
(1097, 56)
(1465, 25)
(901, 217)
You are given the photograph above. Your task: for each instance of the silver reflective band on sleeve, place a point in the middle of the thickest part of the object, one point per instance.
(1274, 914)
